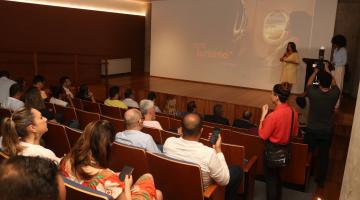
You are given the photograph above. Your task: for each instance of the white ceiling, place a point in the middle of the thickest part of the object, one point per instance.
(133, 7)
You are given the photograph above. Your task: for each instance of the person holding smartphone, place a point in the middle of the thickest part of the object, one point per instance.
(88, 161)
(211, 160)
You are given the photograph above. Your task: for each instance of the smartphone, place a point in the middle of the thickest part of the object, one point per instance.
(215, 135)
(126, 170)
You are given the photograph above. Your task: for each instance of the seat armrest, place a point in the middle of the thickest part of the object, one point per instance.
(250, 164)
(210, 190)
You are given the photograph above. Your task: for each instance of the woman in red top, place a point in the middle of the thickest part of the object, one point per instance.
(275, 128)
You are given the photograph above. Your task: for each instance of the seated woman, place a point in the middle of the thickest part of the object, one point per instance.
(113, 99)
(85, 94)
(32, 99)
(22, 132)
(87, 164)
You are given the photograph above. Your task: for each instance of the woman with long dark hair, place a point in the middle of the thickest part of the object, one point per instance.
(291, 61)
(88, 162)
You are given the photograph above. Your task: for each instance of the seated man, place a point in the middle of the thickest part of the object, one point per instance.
(210, 160)
(217, 116)
(147, 109)
(129, 99)
(39, 82)
(65, 83)
(245, 121)
(13, 102)
(113, 99)
(133, 135)
(31, 178)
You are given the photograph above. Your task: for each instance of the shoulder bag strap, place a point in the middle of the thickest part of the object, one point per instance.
(292, 124)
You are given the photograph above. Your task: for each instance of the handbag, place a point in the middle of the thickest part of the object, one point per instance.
(277, 155)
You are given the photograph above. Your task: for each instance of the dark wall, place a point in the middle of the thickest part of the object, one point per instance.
(29, 27)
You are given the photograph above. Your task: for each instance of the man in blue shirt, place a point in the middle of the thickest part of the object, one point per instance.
(133, 135)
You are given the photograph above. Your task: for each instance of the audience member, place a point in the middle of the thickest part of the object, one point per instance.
(5, 84)
(65, 83)
(13, 102)
(217, 116)
(277, 129)
(88, 163)
(21, 81)
(59, 96)
(133, 135)
(113, 99)
(170, 106)
(245, 121)
(320, 129)
(39, 83)
(30, 178)
(32, 99)
(211, 160)
(152, 97)
(85, 94)
(129, 99)
(22, 132)
(147, 109)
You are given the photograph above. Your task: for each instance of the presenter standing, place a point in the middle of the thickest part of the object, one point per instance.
(291, 61)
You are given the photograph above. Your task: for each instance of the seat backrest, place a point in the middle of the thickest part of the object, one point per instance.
(110, 111)
(118, 124)
(68, 113)
(56, 140)
(155, 134)
(72, 135)
(164, 121)
(81, 192)
(77, 103)
(177, 180)
(135, 157)
(295, 172)
(166, 134)
(205, 131)
(90, 106)
(85, 117)
(174, 124)
(254, 146)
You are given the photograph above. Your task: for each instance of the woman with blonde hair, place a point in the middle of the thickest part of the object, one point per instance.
(22, 132)
(88, 161)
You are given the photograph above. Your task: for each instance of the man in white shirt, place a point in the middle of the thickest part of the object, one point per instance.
(147, 109)
(133, 135)
(129, 99)
(5, 84)
(13, 102)
(210, 160)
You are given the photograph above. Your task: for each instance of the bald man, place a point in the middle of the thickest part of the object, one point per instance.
(211, 160)
(133, 135)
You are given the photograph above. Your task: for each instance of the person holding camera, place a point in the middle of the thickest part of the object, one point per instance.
(322, 100)
(277, 129)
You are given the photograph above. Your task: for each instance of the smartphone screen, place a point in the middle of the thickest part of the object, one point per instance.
(215, 134)
(126, 170)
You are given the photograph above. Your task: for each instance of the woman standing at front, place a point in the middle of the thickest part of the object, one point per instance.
(291, 61)
(276, 129)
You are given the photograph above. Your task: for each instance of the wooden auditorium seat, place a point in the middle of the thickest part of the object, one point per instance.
(235, 155)
(77, 103)
(90, 106)
(164, 121)
(179, 180)
(166, 134)
(81, 192)
(135, 157)
(110, 111)
(68, 113)
(73, 135)
(155, 134)
(56, 140)
(174, 124)
(118, 124)
(85, 117)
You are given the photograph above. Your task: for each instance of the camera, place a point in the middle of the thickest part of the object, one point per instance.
(320, 62)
